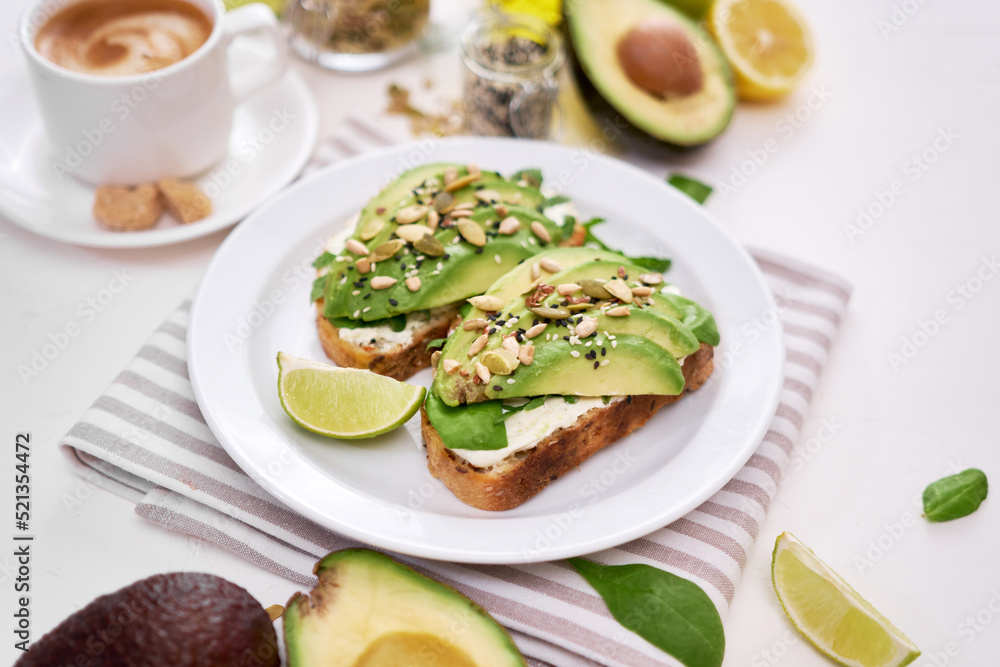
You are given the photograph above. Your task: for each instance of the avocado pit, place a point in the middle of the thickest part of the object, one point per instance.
(658, 56)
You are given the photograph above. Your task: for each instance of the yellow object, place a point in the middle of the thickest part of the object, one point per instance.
(344, 403)
(276, 5)
(547, 10)
(766, 42)
(831, 614)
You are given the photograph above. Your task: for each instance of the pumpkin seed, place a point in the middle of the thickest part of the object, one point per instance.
(461, 182)
(509, 226)
(594, 288)
(478, 345)
(472, 232)
(410, 214)
(619, 290)
(429, 245)
(577, 307)
(386, 251)
(357, 247)
(444, 202)
(550, 313)
(476, 324)
(501, 361)
(538, 229)
(651, 278)
(412, 233)
(487, 302)
(371, 229)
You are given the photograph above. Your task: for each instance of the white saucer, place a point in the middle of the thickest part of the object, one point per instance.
(34, 197)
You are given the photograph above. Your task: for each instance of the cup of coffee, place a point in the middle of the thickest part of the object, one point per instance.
(132, 91)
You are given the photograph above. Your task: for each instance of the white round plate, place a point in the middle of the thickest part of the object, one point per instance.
(273, 135)
(254, 301)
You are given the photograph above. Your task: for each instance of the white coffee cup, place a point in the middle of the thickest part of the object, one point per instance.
(172, 122)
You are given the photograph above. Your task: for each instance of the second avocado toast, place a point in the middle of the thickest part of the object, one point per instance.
(568, 352)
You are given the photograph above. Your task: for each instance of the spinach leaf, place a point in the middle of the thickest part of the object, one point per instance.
(468, 426)
(696, 190)
(955, 496)
(326, 259)
(568, 225)
(436, 344)
(668, 611)
(398, 322)
(318, 288)
(510, 411)
(657, 264)
(571, 399)
(593, 241)
(553, 201)
(532, 176)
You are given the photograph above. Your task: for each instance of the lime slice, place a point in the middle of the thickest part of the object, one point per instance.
(344, 402)
(824, 608)
(766, 42)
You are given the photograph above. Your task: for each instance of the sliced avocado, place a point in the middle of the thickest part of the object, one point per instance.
(635, 366)
(367, 610)
(647, 63)
(458, 270)
(691, 314)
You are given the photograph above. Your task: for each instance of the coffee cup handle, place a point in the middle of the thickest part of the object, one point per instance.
(257, 17)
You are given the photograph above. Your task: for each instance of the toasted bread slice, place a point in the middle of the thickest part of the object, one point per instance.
(523, 474)
(396, 360)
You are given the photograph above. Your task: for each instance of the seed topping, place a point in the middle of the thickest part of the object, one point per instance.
(547, 263)
(450, 366)
(356, 246)
(413, 233)
(411, 214)
(620, 311)
(371, 229)
(382, 282)
(619, 289)
(487, 302)
(539, 230)
(413, 283)
(651, 278)
(508, 226)
(472, 232)
(478, 345)
(386, 251)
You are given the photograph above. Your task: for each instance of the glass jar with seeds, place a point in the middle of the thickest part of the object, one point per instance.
(355, 35)
(511, 63)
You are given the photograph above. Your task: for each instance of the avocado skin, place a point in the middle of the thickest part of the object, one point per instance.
(310, 620)
(612, 121)
(180, 619)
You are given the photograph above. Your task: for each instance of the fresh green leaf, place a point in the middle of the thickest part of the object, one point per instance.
(590, 239)
(326, 259)
(955, 496)
(436, 344)
(571, 399)
(318, 288)
(398, 322)
(554, 201)
(657, 264)
(606, 399)
(468, 426)
(464, 309)
(532, 176)
(568, 225)
(668, 611)
(696, 190)
(509, 411)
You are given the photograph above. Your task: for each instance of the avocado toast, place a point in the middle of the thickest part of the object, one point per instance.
(434, 236)
(565, 354)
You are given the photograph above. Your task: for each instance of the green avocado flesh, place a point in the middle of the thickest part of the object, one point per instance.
(461, 271)
(625, 355)
(367, 610)
(689, 118)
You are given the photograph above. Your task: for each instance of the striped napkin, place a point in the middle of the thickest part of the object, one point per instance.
(146, 439)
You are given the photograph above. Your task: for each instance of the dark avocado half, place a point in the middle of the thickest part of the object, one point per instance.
(645, 67)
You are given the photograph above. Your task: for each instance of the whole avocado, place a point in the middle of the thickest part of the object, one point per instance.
(182, 619)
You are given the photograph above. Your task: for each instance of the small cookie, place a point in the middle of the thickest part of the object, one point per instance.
(185, 201)
(124, 209)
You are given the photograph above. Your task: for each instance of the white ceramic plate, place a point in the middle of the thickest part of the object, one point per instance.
(254, 301)
(34, 197)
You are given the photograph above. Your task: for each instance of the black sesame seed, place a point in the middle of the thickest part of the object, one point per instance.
(372, 342)
(393, 302)
(497, 387)
(366, 295)
(479, 251)
(565, 337)
(446, 256)
(604, 351)
(419, 263)
(534, 322)
(596, 364)
(402, 266)
(492, 331)
(501, 322)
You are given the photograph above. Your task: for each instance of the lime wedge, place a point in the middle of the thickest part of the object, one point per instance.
(831, 614)
(344, 402)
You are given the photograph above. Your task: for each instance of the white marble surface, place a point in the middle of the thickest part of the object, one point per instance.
(874, 103)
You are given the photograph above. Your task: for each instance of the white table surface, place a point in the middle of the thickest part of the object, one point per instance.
(877, 101)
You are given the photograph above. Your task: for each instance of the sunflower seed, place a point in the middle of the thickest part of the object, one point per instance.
(412, 213)
(526, 354)
(371, 229)
(412, 233)
(386, 251)
(642, 291)
(476, 324)
(619, 290)
(382, 282)
(357, 247)
(567, 288)
(429, 245)
(472, 232)
(501, 210)
(488, 196)
(433, 218)
(461, 182)
(549, 264)
(651, 278)
(363, 265)
(487, 302)
(510, 344)
(478, 345)
(413, 283)
(551, 313)
(620, 311)
(587, 327)
(538, 229)
(509, 226)
(483, 373)
(450, 366)
(500, 362)
(536, 330)
(535, 273)
(435, 358)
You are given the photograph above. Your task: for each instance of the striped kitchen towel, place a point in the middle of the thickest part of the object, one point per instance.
(146, 439)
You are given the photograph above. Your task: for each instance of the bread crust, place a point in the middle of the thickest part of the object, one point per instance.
(511, 483)
(398, 362)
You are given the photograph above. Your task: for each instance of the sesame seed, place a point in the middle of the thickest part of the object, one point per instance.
(510, 381)
(605, 362)
(588, 343)
(343, 280)
(393, 302)
(574, 353)
(357, 314)
(440, 266)
(604, 351)
(614, 343)
(366, 309)
(497, 259)
(497, 387)
(356, 292)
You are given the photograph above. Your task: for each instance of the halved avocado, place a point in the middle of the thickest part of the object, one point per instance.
(370, 611)
(646, 63)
